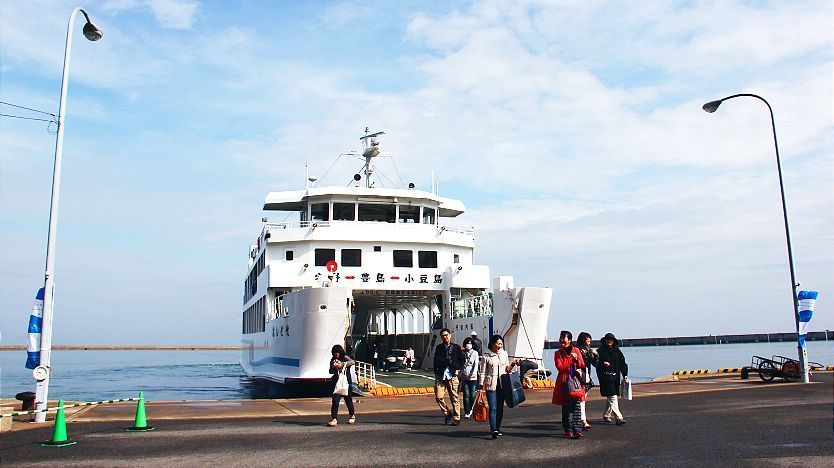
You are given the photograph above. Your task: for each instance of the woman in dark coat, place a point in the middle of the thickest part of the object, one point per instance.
(590, 358)
(610, 368)
(341, 362)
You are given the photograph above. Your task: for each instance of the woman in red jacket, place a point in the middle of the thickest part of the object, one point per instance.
(568, 359)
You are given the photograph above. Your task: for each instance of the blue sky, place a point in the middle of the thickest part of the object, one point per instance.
(572, 131)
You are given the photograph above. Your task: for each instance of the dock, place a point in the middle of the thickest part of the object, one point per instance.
(688, 422)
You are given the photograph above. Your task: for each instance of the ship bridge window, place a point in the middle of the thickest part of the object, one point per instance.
(377, 212)
(427, 258)
(409, 214)
(320, 211)
(351, 257)
(325, 255)
(403, 258)
(344, 212)
(428, 215)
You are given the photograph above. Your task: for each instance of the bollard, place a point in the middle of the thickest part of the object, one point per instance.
(59, 434)
(140, 424)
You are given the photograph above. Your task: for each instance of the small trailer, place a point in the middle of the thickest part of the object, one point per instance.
(777, 366)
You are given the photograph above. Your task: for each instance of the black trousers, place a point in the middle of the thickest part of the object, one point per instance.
(334, 407)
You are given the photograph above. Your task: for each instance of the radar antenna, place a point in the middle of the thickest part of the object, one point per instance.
(370, 145)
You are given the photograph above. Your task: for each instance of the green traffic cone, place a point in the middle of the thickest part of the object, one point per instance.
(140, 424)
(59, 434)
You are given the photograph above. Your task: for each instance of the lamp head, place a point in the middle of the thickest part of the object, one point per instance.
(92, 32)
(712, 106)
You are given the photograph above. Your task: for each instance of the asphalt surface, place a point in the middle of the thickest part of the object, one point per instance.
(756, 425)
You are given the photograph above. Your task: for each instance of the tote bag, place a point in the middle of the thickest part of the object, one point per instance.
(342, 388)
(573, 387)
(479, 409)
(625, 389)
(513, 391)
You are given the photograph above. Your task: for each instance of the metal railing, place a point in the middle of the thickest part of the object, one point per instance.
(323, 224)
(365, 375)
(475, 306)
(539, 373)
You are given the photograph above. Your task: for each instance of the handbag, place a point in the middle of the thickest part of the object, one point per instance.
(479, 409)
(513, 391)
(342, 388)
(625, 389)
(573, 387)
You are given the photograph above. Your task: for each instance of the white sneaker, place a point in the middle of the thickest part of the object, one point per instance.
(333, 423)
(468, 415)
(352, 420)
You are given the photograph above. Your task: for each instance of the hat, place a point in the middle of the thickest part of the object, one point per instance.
(612, 337)
(474, 333)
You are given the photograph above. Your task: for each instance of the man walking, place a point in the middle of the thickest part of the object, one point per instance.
(477, 345)
(448, 360)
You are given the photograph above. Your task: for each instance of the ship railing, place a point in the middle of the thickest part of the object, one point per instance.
(475, 306)
(365, 375)
(540, 373)
(469, 231)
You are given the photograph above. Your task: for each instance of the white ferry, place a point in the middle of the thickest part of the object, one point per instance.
(372, 269)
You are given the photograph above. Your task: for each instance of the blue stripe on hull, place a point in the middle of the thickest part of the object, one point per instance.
(281, 361)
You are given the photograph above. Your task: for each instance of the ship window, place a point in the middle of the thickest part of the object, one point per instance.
(427, 258)
(377, 248)
(319, 211)
(403, 258)
(351, 257)
(288, 255)
(344, 212)
(428, 215)
(377, 212)
(409, 214)
(325, 255)
(456, 258)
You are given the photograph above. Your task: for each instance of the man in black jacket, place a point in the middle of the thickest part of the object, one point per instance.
(610, 368)
(448, 360)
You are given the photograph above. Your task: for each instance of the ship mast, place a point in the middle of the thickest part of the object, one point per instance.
(370, 149)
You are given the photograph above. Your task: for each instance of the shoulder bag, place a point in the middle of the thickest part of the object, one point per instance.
(573, 387)
(342, 388)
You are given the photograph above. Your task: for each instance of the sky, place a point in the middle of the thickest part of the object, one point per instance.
(572, 131)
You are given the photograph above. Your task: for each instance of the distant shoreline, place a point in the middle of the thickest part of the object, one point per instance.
(126, 348)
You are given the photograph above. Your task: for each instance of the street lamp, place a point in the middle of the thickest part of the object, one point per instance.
(93, 33)
(711, 107)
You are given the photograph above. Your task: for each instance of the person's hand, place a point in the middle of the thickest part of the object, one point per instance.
(606, 364)
(594, 352)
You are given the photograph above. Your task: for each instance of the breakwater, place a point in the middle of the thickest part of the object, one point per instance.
(125, 348)
(827, 335)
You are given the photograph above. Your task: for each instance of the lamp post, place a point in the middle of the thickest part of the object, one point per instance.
(92, 33)
(711, 107)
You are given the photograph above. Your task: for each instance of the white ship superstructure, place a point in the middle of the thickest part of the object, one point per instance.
(373, 269)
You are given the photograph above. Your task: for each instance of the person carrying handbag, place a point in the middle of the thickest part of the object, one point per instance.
(340, 368)
(495, 363)
(567, 359)
(610, 369)
(591, 358)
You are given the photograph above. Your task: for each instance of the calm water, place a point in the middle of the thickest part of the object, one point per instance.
(215, 375)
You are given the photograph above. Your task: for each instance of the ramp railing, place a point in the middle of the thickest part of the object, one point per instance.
(365, 375)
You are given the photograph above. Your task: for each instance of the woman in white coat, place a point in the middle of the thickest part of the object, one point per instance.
(495, 363)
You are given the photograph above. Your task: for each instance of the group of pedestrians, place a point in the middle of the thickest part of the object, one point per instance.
(465, 371)
(574, 360)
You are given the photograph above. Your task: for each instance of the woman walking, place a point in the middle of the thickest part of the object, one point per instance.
(340, 363)
(469, 376)
(610, 369)
(590, 357)
(494, 364)
(567, 359)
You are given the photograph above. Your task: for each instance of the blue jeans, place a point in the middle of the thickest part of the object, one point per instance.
(495, 400)
(468, 389)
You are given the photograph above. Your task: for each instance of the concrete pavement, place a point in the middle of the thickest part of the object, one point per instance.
(689, 423)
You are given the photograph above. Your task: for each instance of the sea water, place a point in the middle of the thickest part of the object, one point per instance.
(216, 375)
